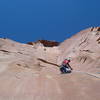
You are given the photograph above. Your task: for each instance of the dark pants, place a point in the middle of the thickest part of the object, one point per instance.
(64, 70)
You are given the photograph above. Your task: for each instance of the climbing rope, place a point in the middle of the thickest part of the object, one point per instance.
(90, 74)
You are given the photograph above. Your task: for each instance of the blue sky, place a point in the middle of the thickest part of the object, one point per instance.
(30, 20)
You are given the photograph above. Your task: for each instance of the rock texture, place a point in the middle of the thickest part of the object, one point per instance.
(84, 50)
(45, 43)
(24, 77)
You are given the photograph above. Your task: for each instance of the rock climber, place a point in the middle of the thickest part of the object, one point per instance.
(65, 67)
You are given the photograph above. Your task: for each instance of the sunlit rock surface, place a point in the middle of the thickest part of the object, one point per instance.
(24, 77)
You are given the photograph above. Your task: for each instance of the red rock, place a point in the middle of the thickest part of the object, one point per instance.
(24, 77)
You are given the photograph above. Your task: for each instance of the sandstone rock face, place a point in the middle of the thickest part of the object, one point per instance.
(84, 50)
(45, 43)
(24, 77)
